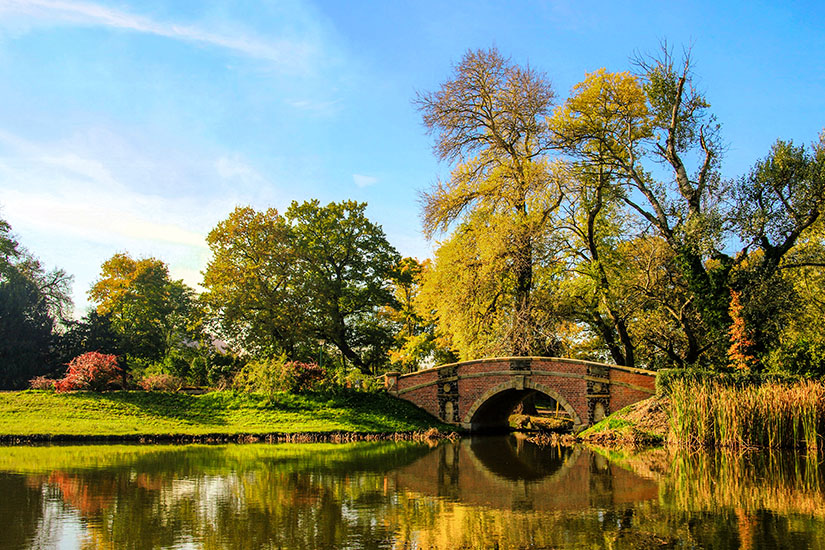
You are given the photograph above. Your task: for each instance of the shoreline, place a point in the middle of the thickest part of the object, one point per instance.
(222, 438)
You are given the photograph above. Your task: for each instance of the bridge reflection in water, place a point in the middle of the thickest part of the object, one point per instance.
(511, 473)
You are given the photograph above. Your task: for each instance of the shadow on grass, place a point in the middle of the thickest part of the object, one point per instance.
(353, 411)
(183, 408)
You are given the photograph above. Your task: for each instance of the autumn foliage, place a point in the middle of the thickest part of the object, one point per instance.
(90, 371)
(740, 354)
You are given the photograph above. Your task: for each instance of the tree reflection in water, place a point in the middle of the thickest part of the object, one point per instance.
(475, 493)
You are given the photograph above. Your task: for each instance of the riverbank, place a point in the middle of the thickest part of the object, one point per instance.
(147, 417)
(720, 414)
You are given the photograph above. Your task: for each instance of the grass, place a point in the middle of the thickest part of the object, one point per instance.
(39, 413)
(773, 415)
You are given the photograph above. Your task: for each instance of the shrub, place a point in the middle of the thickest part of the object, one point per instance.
(272, 375)
(160, 382)
(301, 377)
(41, 383)
(90, 371)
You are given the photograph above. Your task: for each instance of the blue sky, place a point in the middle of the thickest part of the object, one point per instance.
(138, 126)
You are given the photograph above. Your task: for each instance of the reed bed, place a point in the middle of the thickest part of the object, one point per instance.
(773, 415)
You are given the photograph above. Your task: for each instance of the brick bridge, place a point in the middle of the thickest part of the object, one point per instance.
(482, 394)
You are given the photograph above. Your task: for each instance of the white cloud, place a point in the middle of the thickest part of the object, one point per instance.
(362, 181)
(72, 207)
(294, 54)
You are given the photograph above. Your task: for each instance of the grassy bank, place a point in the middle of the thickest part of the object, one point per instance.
(128, 415)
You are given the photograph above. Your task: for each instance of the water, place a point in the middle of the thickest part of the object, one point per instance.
(475, 493)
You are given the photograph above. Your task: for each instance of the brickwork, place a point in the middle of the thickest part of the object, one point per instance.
(588, 391)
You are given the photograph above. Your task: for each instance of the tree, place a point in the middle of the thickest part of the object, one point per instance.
(417, 340)
(146, 308)
(614, 125)
(32, 301)
(489, 121)
(344, 268)
(252, 285)
(295, 284)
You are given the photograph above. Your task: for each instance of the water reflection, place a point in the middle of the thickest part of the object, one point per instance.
(474, 493)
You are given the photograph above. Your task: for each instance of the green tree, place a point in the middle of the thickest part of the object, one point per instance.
(251, 284)
(32, 302)
(490, 124)
(344, 266)
(418, 342)
(298, 284)
(146, 308)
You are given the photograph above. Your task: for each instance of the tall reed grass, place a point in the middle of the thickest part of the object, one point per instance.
(712, 414)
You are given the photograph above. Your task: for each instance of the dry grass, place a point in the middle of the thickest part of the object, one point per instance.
(709, 414)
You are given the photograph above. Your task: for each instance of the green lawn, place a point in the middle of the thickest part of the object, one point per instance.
(30, 413)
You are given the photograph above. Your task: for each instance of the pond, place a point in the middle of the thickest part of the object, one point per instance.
(492, 492)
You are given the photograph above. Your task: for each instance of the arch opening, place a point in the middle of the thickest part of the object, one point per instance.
(492, 411)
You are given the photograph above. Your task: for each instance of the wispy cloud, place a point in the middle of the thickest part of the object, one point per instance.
(362, 181)
(286, 53)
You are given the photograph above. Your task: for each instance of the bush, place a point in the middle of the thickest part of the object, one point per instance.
(272, 375)
(41, 383)
(90, 371)
(160, 382)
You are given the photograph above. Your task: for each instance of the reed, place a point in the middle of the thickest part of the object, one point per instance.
(775, 415)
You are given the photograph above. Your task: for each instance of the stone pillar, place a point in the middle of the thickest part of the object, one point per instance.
(598, 393)
(448, 394)
(391, 382)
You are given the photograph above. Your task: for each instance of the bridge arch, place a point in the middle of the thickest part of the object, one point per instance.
(495, 405)
(476, 394)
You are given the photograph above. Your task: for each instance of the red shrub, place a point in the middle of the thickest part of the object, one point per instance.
(91, 371)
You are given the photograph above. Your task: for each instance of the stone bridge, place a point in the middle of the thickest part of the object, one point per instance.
(481, 394)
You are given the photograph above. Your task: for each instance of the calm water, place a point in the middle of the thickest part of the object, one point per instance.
(476, 493)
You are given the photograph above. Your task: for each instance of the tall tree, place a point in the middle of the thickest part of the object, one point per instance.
(617, 125)
(252, 289)
(145, 306)
(345, 265)
(315, 277)
(490, 124)
(32, 301)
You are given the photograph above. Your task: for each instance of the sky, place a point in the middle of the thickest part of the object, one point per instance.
(138, 126)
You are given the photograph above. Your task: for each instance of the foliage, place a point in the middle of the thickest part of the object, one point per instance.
(490, 123)
(417, 340)
(251, 291)
(741, 342)
(160, 382)
(91, 371)
(298, 283)
(42, 383)
(32, 304)
(146, 309)
(269, 376)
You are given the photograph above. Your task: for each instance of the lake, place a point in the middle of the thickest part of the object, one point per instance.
(473, 493)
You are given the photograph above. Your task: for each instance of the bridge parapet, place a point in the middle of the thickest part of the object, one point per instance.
(481, 393)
